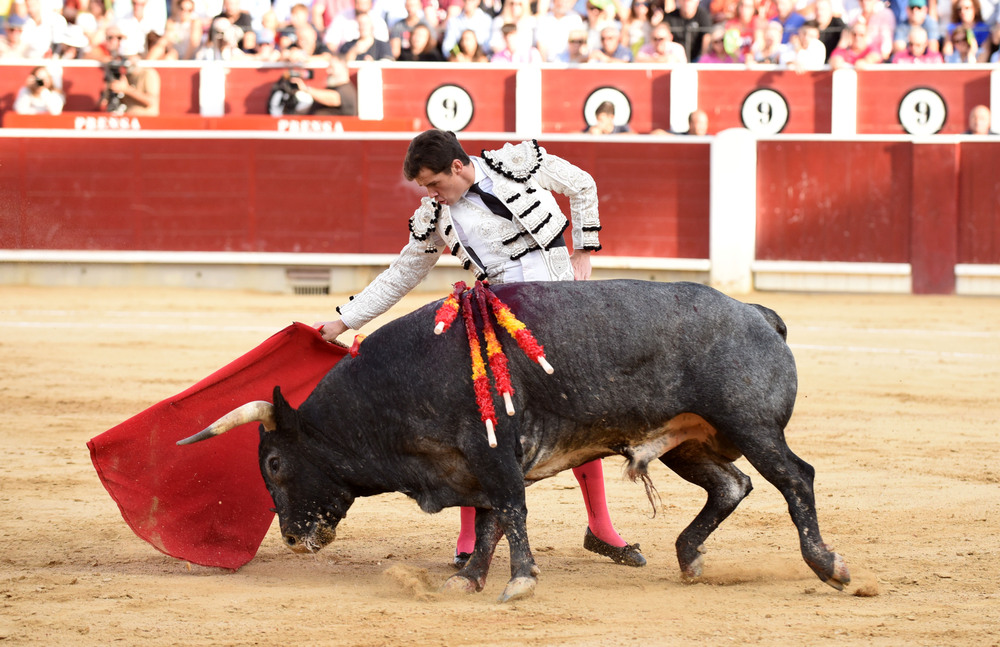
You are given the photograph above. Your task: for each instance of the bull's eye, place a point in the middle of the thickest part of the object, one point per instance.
(273, 464)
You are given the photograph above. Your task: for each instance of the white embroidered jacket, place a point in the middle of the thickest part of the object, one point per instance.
(523, 176)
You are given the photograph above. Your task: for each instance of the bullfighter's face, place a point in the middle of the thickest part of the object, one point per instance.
(447, 187)
(309, 503)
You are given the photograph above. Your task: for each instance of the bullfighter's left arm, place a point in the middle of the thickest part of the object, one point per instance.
(556, 174)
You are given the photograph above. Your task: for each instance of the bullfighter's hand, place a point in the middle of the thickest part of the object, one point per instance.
(580, 260)
(330, 330)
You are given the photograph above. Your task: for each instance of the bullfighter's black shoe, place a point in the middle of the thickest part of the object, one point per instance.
(629, 554)
(461, 559)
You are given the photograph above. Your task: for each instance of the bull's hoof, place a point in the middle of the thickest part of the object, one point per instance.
(841, 576)
(460, 584)
(692, 570)
(519, 588)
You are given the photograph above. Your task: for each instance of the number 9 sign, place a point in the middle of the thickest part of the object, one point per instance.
(922, 112)
(449, 107)
(764, 112)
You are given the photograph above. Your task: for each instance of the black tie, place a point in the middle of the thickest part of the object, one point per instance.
(492, 202)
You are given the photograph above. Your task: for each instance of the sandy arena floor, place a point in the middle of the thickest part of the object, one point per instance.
(898, 412)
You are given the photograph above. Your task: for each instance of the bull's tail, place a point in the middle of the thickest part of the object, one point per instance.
(773, 319)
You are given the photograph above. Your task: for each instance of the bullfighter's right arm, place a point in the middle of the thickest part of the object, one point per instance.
(405, 272)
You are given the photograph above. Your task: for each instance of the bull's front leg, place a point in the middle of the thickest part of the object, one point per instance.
(523, 570)
(472, 577)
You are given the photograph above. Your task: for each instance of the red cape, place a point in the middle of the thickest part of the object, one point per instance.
(206, 503)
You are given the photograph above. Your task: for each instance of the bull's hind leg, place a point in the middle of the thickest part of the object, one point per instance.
(726, 487)
(794, 479)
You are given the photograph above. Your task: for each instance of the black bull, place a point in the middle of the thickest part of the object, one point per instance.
(678, 372)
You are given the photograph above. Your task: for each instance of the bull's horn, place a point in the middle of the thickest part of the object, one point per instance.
(259, 411)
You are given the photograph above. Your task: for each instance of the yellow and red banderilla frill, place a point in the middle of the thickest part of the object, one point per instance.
(461, 300)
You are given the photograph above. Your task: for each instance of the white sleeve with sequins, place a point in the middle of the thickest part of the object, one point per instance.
(558, 175)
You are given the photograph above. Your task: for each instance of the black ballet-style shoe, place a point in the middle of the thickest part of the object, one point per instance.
(629, 554)
(461, 559)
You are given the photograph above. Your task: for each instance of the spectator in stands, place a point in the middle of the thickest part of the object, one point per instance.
(963, 47)
(722, 10)
(41, 30)
(109, 47)
(856, 51)
(233, 11)
(577, 51)
(184, 29)
(604, 121)
(338, 98)
(390, 11)
(990, 50)
(916, 17)
(517, 13)
(692, 27)
(747, 26)
(473, 19)
(600, 14)
(980, 121)
(12, 45)
(468, 49)
(770, 50)
(789, 19)
(717, 52)
(917, 49)
(511, 51)
(399, 33)
(223, 42)
(831, 27)
(611, 49)
(71, 45)
(94, 22)
(552, 36)
(662, 48)
(366, 47)
(306, 48)
(880, 25)
(134, 26)
(321, 14)
(637, 30)
(805, 51)
(423, 46)
(967, 14)
(158, 48)
(154, 16)
(40, 95)
(344, 27)
(136, 91)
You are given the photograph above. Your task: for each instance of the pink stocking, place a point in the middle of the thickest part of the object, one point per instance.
(591, 478)
(467, 534)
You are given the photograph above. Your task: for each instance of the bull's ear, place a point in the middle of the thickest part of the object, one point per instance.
(286, 417)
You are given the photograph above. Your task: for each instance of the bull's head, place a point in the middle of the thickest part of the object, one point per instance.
(309, 503)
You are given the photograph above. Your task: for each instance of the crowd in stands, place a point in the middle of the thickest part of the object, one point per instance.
(803, 34)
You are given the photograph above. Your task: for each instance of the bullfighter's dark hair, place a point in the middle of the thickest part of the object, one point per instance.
(433, 150)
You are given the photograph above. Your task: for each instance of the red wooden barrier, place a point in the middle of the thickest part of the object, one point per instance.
(410, 92)
(216, 193)
(724, 95)
(566, 92)
(834, 201)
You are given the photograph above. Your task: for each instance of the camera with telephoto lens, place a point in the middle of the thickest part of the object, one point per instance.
(114, 69)
(286, 90)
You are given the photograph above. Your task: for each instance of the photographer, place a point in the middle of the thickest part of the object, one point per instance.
(130, 89)
(288, 96)
(339, 97)
(39, 95)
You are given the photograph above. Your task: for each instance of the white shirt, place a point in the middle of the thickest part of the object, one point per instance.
(47, 102)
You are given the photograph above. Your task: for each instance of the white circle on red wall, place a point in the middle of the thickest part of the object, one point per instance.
(450, 107)
(764, 112)
(922, 112)
(623, 107)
